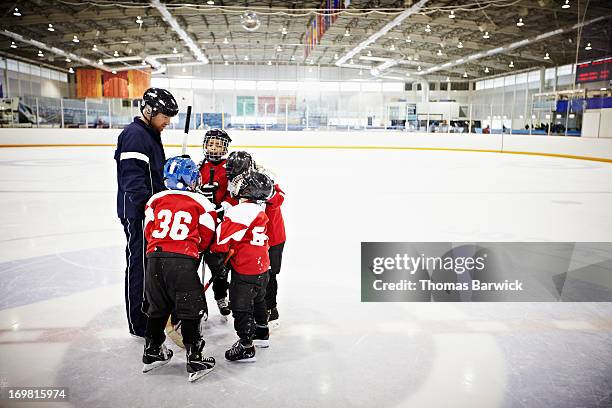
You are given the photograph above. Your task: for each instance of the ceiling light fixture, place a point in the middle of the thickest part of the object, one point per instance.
(71, 71)
(547, 56)
(407, 74)
(94, 48)
(588, 47)
(210, 2)
(174, 51)
(428, 29)
(100, 62)
(116, 53)
(511, 64)
(486, 35)
(460, 45)
(361, 72)
(50, 28)
(452, 14)
(225, 41)
(226, 63)
(465, 75)
(143, 63)
(279, 49)
(520, 23)
(40, 53)
(439, 53)
(16, 13)
(68, 60)
(336, 56)
(486, 70)
(447, 79)
(566, 5)
(269, 62)
(347, 32)
(419, 68)
(139, 20)
(408, 39)
(369, 53)
(246, 57)
(284, 31)
(292, 58)
(114, 72)
(75, 39)
(392, 47)
(13, 45)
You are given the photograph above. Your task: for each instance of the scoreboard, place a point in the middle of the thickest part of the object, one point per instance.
(598, 70)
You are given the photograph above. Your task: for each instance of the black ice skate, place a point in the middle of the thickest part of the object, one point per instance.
(241, 353)
(273, 321)
(223, 306)
(262, 337)
(155, 356)
(198, 365)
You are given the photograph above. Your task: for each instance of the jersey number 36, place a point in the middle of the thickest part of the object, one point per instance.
(173, 225)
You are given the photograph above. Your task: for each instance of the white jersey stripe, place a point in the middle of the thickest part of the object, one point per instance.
(134, 155)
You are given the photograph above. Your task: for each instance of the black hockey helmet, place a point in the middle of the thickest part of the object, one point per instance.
(159, 101)
(254, 185)
(220, 135)
(237, 163)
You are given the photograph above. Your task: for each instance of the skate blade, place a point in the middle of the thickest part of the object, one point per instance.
(261, 343)
(197, 375)
(244, 360)
(274, 324)
(148, 367)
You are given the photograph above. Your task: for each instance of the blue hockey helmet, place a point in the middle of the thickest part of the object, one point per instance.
(181, 173)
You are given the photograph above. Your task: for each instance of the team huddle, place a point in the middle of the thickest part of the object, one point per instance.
(225, 212)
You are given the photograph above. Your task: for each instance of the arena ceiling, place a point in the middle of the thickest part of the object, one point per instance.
(428, 42)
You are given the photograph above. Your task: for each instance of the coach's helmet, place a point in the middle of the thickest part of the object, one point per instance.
(158, 100)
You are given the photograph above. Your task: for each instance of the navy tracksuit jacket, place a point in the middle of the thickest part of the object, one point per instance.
(140, 174)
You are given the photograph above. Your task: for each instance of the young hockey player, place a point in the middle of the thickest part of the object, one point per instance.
(243, 230)
(237, 163)
(214, 187)
(179, 225)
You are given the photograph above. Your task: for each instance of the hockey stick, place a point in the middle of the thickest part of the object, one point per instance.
(212, 278)
(187, 120)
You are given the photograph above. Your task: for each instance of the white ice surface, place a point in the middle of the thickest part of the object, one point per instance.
(331, 350)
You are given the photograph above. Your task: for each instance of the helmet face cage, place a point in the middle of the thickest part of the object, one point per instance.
(216, 142)
(181, 173)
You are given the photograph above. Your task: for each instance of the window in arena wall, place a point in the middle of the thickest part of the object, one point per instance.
(266, 105)
(288, 101)
(245, 105)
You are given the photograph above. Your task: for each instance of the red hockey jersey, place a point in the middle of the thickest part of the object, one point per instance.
(181, 222)
(276, 224)
(244, 230)
(219, 176)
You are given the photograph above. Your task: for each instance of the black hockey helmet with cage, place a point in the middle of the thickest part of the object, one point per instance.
(253, 185)
(217, 153)
(159, 100)
(237, 163)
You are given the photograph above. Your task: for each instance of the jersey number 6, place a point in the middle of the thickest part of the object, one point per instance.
(179, 229)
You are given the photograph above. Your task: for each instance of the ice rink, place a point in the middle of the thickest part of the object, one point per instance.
(62, 319)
